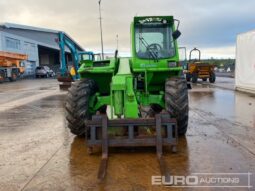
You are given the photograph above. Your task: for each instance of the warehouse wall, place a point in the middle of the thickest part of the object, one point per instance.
(42, 38)
(17, 44)
(40, 46)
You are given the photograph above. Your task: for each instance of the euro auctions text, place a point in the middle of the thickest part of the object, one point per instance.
(235, 180)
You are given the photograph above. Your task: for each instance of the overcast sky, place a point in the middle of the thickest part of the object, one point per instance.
(211, 25)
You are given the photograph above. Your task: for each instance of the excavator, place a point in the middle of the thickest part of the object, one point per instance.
(68, 73)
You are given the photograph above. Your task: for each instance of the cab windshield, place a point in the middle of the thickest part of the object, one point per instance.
(154, 41)
(86, 56)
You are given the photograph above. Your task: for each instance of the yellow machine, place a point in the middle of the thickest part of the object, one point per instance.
(11, 66)
(197, 69)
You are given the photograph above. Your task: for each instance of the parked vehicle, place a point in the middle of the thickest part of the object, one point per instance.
(44, 72)
(198, 69)
(11, 65)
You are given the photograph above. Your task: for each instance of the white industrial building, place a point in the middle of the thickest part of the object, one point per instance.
(245, 62)
(41, 45)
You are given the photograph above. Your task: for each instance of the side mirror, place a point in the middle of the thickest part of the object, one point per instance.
(116, 54)
(176, 34)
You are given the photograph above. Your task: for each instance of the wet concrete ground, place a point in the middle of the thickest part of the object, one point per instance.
(37, 152)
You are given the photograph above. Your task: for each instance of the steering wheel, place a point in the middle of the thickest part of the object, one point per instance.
(154, 47)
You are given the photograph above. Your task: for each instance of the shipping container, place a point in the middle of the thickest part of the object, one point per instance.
(245, 62)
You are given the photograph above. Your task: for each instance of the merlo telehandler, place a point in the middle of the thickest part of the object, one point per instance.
(136, 101)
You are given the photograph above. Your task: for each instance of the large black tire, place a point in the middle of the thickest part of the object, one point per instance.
(212, 78)
(194, 78)
(77, 105)
(177, 102)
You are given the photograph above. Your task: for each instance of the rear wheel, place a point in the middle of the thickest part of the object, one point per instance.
(14, 76)
(194, 78)
(77, 105)
(212, 78)
(177, 102)
(2, 76)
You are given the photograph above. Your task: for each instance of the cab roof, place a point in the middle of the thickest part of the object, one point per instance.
(143, 19)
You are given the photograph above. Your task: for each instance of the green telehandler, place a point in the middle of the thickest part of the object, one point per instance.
(137, 101)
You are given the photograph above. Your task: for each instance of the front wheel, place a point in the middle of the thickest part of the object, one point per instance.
(177, 102)
(212, 78)
(77, 105)
(13, 77)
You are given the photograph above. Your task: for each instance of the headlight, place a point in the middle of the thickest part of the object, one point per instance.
(172, 64)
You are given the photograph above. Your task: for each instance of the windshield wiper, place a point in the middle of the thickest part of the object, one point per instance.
(152, 53)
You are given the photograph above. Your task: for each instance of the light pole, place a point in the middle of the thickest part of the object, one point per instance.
(101, 31)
